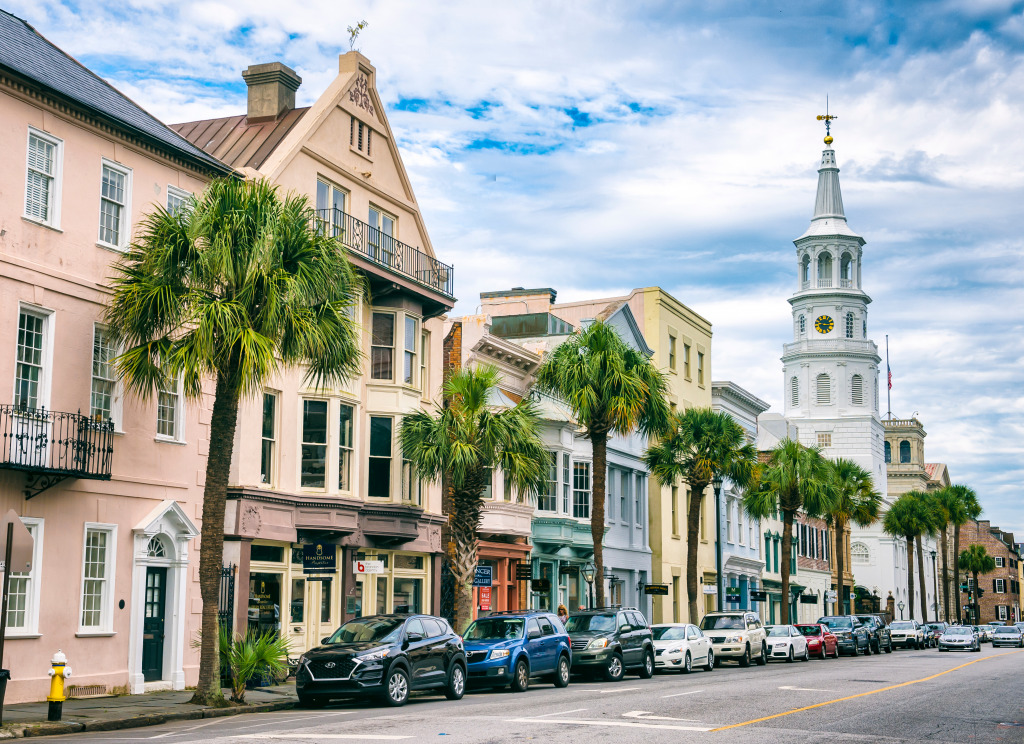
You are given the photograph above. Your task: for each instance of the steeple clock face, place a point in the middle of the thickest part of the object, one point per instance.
(824, 324)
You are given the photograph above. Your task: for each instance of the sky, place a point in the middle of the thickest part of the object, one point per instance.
(594, 147)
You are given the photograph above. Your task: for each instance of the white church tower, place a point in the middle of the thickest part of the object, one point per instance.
(831, 368)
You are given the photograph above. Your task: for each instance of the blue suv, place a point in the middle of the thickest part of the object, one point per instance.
(510, 648)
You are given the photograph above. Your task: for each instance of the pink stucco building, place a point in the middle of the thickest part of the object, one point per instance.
(110, 486)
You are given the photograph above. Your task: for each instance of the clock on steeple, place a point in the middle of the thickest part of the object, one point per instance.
(824, 324)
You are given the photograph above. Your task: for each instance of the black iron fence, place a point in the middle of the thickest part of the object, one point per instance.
(54, 442)
(226, 600)
(383, 249)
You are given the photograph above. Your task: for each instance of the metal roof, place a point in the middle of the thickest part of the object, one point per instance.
(238, 141)
(29, 56)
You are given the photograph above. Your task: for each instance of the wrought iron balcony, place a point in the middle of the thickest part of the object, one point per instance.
(384, 250)
(51, 446)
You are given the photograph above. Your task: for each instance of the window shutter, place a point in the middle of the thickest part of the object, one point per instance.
(824, 391)
(794, 385)
(857, 390)
(995, 585)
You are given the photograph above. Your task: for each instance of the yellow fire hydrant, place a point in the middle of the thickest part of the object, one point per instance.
(59, 671)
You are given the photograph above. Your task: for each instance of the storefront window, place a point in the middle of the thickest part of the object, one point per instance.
(298, 614)
(408, 595)
(382, 595)
(325, 601)
(409, 562)
(267, 553)
(264, 602)
(354, 602)
(574, 593)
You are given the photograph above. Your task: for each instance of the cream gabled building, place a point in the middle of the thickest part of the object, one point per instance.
(324, 467)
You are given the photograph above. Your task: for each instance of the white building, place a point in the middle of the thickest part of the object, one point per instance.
(831, 368)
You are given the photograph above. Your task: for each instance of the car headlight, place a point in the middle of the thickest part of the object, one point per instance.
(375, 655)
(674, 649)
(598, 643)
(499, 653)
(735, 638)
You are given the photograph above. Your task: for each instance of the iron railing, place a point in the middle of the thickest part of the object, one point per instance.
(56, 443)
(383, 249)
(226, 599)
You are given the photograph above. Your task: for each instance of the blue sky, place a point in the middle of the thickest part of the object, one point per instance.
(599, 146)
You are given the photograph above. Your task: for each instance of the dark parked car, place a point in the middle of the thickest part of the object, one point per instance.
(851, 635)
(878, 632)
(935, 630)
(510, 648)
(611, 641)
(386, 656)
(1007, 635)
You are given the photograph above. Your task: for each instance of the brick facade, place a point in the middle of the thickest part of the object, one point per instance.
(995, 605)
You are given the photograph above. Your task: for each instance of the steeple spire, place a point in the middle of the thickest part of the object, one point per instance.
(829, 202)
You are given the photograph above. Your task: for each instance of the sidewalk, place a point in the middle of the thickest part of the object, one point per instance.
(131, 711)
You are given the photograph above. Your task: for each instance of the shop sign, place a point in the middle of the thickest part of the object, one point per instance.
(485, 598)
(659, 590)
(732, 594)
(571, 570)
(710, 589)
(482, 577)
(808, 599)
(541, 586)
(319, 558)
(319, 578)
(368, 567)
(524, 571)
(758, 595)
(831, 595)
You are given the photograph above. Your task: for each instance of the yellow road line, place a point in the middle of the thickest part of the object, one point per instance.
(861, 694)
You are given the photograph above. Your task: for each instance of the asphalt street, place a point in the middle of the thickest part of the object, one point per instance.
(906, 696)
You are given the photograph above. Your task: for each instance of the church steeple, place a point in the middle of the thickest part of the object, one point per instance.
(829, 202)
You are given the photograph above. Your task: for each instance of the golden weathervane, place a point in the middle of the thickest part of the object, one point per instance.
(827, 118)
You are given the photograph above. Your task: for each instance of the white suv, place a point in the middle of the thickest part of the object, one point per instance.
(736, 635)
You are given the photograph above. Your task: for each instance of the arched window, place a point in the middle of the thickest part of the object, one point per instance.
(805, 270)
(824, 390)
(849, 325)
(859, 554)
(904, 451)
(155, 548)
(794, 391)
(846, 270)
(803, 325)
(863, 329)
(888, 452)
(857, 390)
(825, 270)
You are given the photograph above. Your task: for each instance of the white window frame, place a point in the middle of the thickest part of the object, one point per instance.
(124, 235)
(1000, 586)
(115, 393)
(424, 363)
(106, 626)
(1002, 611)
(824, 439)
(353, 462)
(57, 178)
(394, 453)
(177, 193)
(326, 444)
(583, 493)
(396, 329)
(273, 439)
(46, 370)
(31, 627)
(1000, 561)
(411, 354)
(179, 415)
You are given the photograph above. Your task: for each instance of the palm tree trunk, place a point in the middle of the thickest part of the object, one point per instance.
(956, 572)
(599, 440)
(945, 572)
(787, 553)
(975, 615)
(910, 574)
(467, 508)
(211, 546)
(692, 543)
(924, 584)
(840, 565)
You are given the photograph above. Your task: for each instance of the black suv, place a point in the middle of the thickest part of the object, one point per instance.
(610, 641)
(878, 633)
(851, 635)
(386, 656)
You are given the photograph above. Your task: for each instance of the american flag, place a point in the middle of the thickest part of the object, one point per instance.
(889, 370)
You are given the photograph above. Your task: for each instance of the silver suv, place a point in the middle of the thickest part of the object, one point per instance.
(736, 635)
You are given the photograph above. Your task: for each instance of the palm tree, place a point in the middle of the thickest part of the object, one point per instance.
(909, 517)
(976, 560)
(611, 388)
(794, 479)
(856, 502)
(465, 439)
(229, 290)
(969, 508)
(943, 503)
(699, 446)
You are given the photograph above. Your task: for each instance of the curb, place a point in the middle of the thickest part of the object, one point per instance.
(18, 731)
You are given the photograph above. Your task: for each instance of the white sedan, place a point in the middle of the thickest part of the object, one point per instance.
(786, 642)
(680, 646)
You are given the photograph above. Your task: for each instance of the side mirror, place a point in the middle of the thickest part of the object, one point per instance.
(624, 628)
(413, 637)
(535, 634)
(325, 640)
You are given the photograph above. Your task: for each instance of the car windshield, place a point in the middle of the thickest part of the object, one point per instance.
(931, 626)
(369, 630)
(809, 630)
(721, 622)
(1008, 629)
(904, 625)
(837, 622)
(778, 631)
(495, 628)
(598, 623)
(668, 633)
(959, 631)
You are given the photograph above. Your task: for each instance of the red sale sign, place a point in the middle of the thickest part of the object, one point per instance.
(485, 598)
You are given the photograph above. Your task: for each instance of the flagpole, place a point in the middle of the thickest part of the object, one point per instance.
(888, 380)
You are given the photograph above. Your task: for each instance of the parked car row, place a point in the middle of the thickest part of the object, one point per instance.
(389, 656)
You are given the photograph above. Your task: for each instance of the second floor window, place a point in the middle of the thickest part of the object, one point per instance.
(999, 585)
(345, 447)
(168, 413)
(700, 368)
(114, 190)
(411, 336)
(382, 236)
(686, 361)
(268, 450)
(672, 352)
(101, 399)
(330, 207)
(379, 470)
(566, 483)
(581, 490)
(547, 499)
(42, 178)
(314, 444)
(176, 199)
(29, 375)
(382, 347)
(1000, 561)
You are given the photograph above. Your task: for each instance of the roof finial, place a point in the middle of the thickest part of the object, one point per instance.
(827, 118)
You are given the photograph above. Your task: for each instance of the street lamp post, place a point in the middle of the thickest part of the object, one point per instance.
(588, 576)
(935, 576)
(901, 605)
(719, 582)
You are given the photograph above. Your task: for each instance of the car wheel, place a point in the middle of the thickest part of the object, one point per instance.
(888, 647)
(807, 654)
(856, 648)
(312, 701)
(647, 670)
(745, 659)
(687, 663)
(614, 671)
(792, 656)
(562, 673)
(457, 683)
(762, 659)
(521, 676)
(397, 688)
(711, 661)
(824, 651)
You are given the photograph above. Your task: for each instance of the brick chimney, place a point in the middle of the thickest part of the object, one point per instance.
(272, 89)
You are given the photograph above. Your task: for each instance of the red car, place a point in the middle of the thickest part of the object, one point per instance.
(820, 640)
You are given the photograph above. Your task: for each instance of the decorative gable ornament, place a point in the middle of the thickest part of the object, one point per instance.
(359, 94)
